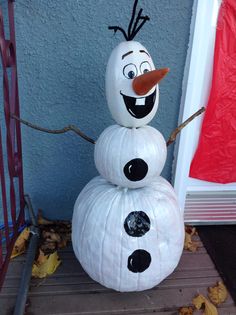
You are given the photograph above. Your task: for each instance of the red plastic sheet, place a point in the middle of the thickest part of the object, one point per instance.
(215, 157)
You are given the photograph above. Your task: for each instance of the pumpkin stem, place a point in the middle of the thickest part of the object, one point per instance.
(133, 27)
(132, 18)
(117, 28)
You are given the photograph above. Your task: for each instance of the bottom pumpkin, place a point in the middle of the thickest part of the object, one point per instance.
(127, 239)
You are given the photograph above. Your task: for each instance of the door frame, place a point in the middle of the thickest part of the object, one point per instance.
(196, 88)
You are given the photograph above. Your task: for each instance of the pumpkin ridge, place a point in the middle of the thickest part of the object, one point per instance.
(122, 144)
(80, 198)
(110, 207)
(123, 195)
(133, 208)
(154, 226)
(155, 219)
(93, 208)
(108, 145)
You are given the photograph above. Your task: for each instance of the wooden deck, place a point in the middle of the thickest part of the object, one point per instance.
(71, 291)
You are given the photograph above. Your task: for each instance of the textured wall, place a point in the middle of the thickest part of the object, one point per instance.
(63, 48)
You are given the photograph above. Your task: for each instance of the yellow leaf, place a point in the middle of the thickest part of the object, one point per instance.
(218, 294)
(189, 244)
(202, 302)
(45, 265)
(190, 230)
(186, 310)
(42, 258)
(20, 244)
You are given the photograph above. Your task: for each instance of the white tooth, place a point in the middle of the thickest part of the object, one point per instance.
(140, 101)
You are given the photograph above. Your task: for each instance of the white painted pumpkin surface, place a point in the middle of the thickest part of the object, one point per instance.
(127, 61)
(106, 240)
(130, 157)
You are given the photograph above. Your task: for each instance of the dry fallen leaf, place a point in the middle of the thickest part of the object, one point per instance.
(218, 294)
(41, 220)
(186, 310)
(42, 258)
(45, 265)
(63, 243)
(191, 230)
(189, 244)
(202, 302)
(20, 244)
(54, 234)
(51, 236)
(48, 248)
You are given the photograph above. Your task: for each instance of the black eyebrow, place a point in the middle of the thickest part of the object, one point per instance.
(143, 51)
(128, 53)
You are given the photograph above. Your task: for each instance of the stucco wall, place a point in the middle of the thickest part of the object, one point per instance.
(63, 48)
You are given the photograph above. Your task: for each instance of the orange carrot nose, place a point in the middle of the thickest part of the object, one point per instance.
(145, 82)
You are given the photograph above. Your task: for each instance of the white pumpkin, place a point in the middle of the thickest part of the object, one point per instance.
(127, 61)
(128, 240)
(129, 157)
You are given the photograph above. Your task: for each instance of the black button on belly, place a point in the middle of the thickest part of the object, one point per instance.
(139, 261)
(137, 223)
(136, 170)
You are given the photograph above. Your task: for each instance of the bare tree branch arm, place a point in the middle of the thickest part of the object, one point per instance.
(84, 136)
(56, 131)
(184, 124)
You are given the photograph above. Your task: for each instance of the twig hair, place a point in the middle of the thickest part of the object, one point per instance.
(134, 26)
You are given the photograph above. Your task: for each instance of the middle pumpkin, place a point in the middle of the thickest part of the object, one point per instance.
(130, 157)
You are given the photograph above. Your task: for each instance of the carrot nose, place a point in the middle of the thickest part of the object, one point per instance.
(145, 82)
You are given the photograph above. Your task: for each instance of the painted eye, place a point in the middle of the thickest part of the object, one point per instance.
(130, 71)
(145, 67)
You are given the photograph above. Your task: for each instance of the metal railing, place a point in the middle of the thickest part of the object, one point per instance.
(11, 173)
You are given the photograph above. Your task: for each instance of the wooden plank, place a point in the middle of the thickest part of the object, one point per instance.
(72, 287)
(115, 302)
(70, 291)
(7, 309)
(60, 279)
(189, 261)
(68, 254)
(7, 303)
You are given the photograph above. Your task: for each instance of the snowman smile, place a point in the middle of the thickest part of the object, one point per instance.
(141, 106)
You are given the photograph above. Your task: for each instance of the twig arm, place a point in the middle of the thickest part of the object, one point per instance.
(56, 131)
(84, 136)
(184, 124)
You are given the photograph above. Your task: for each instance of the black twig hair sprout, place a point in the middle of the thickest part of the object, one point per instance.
(134, 27)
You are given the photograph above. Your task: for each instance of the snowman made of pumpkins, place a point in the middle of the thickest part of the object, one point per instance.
(127, 227)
